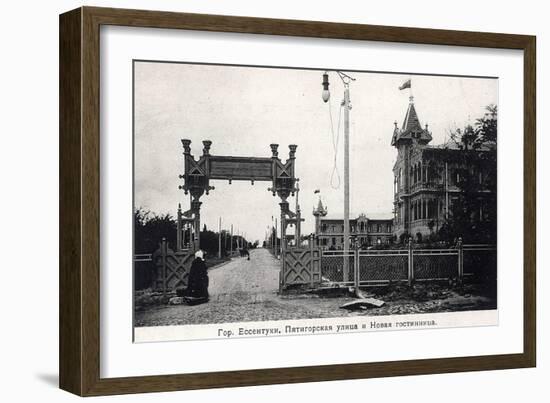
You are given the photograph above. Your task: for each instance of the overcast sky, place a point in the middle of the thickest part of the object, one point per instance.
(244, 109)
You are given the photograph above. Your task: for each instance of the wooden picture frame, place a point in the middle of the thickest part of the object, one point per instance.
(80, 188)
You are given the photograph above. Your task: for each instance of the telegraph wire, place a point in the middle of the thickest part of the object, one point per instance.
(335, 137)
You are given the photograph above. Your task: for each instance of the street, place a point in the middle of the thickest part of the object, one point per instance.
(243, 280)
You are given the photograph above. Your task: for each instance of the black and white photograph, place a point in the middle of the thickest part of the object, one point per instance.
(301, 198)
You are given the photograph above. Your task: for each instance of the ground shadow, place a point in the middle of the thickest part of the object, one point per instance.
(49, 379)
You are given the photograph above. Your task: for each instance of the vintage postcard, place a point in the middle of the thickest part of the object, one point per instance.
(272, 201)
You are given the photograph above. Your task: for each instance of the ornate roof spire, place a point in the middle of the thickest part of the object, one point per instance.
(320, 210)
(411, 127)
(411, 121)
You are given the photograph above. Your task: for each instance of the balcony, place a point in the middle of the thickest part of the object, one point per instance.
(426, 186)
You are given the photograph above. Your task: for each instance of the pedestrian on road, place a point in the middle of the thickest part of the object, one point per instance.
(197, 286)
(246, 253)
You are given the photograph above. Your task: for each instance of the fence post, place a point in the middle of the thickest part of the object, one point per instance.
(460, 260)
(281, 274)
(411, 263)
(311, 261)
(163, 254)
(179, 242)
(356, 265)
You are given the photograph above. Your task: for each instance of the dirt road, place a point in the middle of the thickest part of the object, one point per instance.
(242, 279)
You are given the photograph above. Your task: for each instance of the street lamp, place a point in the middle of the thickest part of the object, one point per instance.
(326, 93)
(347, 107)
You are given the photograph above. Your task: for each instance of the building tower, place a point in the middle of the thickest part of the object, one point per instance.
(409, 140)
(319, 213)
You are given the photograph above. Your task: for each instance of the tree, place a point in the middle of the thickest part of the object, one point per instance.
(474, 214)
(209, 242)
(150, 228)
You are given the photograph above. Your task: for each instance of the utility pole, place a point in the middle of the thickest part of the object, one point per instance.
(346, 181)
(347, 107)
(220, 238)
(231, 238)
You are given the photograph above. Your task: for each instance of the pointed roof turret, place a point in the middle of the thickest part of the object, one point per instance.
(411, 128)
(411, 121)
(395, 133)
(320, 210)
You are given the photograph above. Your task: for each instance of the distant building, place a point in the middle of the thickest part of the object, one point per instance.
(426, 178)
(329, 231)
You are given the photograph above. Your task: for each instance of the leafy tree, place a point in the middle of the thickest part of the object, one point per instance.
(474, 214)
(210, 243)
(150, 228)
(404, 238)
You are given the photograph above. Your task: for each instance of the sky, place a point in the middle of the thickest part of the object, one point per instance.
(242, 110)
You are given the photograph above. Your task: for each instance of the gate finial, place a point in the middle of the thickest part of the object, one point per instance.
(274, 151)
(186, 146)
(206, 149)
(292, 153)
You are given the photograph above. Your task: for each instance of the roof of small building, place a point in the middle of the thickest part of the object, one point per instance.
(451, 152)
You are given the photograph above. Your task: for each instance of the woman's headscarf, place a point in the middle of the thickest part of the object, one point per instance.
(199, 254)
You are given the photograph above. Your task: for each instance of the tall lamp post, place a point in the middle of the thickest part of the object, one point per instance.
(347, 107)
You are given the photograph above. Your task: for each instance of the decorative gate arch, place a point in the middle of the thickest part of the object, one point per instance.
(196, 182)
(198, 174)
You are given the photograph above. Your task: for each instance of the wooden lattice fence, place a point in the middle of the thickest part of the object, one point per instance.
(171, 267)
(301, 266)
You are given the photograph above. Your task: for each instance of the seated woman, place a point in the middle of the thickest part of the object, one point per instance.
(197, 285)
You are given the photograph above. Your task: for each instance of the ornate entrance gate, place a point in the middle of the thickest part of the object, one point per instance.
(301, 265)
(196, 182)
